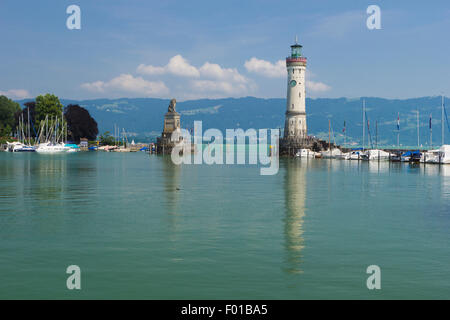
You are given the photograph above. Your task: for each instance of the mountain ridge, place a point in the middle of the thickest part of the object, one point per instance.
(143, 117)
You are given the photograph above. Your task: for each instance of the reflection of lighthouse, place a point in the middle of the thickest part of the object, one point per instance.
(295, 123)
(295, 194)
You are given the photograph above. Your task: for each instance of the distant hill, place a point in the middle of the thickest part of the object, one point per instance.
(143, 117)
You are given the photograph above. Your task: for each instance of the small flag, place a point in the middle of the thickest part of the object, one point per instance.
(343, 130)
(398, 122)
(430, 120)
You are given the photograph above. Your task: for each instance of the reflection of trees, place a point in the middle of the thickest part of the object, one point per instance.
(62, 176)
(49, 176)
(295, 194)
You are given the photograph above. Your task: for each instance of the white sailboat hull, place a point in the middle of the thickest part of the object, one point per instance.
(52, 148)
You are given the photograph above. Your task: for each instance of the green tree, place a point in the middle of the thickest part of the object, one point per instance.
(106, 139)
(48, 105)
(8, 108)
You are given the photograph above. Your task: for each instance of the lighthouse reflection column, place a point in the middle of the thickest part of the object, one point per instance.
(295, 195)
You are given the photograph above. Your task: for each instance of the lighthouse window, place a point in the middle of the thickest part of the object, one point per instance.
(292, 107)
(299, 94)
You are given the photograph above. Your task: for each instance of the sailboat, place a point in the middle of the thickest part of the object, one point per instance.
(123, 148)
(17, 146)
(24, 137)
(356, 153)
(441, 155)
(331, 153)
(444, 150)
(53, 138)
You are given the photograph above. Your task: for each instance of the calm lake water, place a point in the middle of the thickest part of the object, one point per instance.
(140, 227)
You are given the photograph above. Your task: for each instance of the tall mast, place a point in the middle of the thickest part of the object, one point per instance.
(24, 138)
(29, 135)
(418, 132)
(364, 123)
(329, 135)
(398, 130)
(431, 133)
(345, 134)
(442, 118)
(376, 134)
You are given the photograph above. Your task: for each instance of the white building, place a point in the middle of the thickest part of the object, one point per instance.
(295, 125)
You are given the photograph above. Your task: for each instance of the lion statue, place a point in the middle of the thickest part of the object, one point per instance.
(172, 105)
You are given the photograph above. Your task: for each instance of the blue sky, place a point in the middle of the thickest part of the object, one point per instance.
(212, 49)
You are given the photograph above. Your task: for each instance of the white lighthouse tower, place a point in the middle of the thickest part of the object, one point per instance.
(295, 129)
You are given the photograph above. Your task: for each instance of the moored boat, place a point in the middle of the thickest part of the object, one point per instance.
(50, 147)
(305, 153)
(376, 154)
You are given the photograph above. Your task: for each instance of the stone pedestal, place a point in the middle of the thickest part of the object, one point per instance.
(171, 124)
(289, 146)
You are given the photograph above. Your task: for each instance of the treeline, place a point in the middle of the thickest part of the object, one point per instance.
(79, 122)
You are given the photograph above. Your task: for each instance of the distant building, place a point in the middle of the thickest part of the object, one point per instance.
(84, 143)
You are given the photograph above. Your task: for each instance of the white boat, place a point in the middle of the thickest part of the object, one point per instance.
(353, 155)
(375, 154)
(444, 154)
(333, 154)
(431, 156)
(305, 153)
(11, 146)
(19, 147)
(50, 147)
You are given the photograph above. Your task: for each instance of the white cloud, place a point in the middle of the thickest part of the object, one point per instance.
(126, 83)
(317, 87)
(266, 68)
(278, 70)
(151, 70)
(211, 79)
(220, 87)
(177, 65)
(16, 94)
(215, 71)
(180, 66)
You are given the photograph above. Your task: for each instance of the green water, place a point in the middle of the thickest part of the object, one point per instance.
(140, 227)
